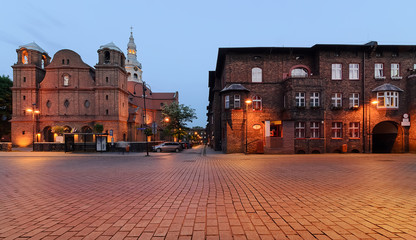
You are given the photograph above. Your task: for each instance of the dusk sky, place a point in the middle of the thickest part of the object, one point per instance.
(177, 41)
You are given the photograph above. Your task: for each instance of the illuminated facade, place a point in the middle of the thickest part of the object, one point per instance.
(67, 92)
(323, 99)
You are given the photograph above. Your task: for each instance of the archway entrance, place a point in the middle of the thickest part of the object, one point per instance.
(87, 137)
(384, 137)
(47, 134)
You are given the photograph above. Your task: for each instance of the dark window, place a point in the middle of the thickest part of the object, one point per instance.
(106, 112)
(48, 104)
(24, 112)
(87, 103)
(24, 79)
(24, 97)
(66, 103)
(23, 132)
(106, 97)
(106, 79)
(63, 61)
(106, 57)
(67, 61)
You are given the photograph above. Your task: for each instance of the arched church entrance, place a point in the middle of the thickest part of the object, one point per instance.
(87, 137)
(385, 135)
(47, 134)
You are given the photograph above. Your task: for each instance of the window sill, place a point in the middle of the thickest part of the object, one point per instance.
(379, 78)
(396, 78)
(336, 79)
(354, 79)
(354, 138)
(336, 138)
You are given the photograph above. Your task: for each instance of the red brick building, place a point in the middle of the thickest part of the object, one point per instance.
(314, 100)
(67, 92)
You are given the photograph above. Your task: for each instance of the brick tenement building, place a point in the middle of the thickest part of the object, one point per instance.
(67, 92)
(323, 99)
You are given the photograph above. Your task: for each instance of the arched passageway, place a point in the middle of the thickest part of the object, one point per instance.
(384, 137)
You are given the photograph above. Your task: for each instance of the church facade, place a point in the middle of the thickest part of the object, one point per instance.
(65, 91)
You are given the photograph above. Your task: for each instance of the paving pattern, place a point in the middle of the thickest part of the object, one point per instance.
(217, 196)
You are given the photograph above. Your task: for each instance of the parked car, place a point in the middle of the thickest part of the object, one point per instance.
(168, 147)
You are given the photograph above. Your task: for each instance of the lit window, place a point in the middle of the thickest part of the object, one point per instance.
(300, 130)
(299, 73)
(227, 102)
(256, 75)
(315, 99)
(336, 71)
(354, 71)
(257, 105)
(336, 130)
(275, 128)
(315, 130)
(388, 99)
(395, 71)
(66, 80)
(354, 100)
(354, 130)
(378, 71)
(336, 100)
(300, 99)
(25, 58)
(237, 101)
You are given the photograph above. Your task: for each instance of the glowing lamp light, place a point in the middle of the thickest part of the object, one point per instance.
(248, 101)
(374, 102)
(166, 119)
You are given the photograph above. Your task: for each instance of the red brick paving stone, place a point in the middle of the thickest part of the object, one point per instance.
(146, 236)
(332, 234)
(172, 236)
(212, 230)
(198, 235)
(136, 232)
(93, 235)
(186, 231)
(119, 236)
(252, 235)
(111, 231)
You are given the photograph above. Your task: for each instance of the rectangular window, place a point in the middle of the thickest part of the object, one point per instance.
(336, 130)
(300, 130)
(354, 130)
(388, 100)
(336, 100)
(378, 71)
(315, 99)
(275, 128)
(315, 129)
(354, 100)
(227, 102)
(237, 101)
(300, 99)
(336, 71)
(354, 71)
(395, 71)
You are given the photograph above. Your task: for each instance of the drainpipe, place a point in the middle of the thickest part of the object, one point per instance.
(363, 103)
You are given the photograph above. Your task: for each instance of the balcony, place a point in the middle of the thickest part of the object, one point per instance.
(303, 83)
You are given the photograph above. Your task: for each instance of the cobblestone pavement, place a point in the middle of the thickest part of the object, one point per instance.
(217, 196)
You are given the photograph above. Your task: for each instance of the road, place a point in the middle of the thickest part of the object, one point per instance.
(189, 195)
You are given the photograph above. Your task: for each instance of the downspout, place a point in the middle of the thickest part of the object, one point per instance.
(364, 104)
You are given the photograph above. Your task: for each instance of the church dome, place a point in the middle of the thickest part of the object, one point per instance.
(111, 46)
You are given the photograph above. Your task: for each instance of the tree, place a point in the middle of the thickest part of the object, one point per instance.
(5, 106)
(178, 115)
(98, 128)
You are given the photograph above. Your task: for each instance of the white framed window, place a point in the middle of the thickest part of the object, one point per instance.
(336, 100)
(354, 71)
(395, 71)
(66, 80)
(354, 130)
(336, 130)
(336, 71)
(299, 73)
(257, 104)
(354, 100)
(379, 71)
(314, 99)
(315, 129)
(300, 99)
(227, 102)
(237, 101)
(300, 130)
(388, 99)
(256, 75)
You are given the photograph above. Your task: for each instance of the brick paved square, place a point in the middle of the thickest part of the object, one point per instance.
(217, 196)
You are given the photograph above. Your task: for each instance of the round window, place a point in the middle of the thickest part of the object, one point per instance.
(48, 104)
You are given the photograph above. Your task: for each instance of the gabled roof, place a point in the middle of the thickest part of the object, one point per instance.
(111, 46)
(387, 87)
(33, 46)
(235, 87)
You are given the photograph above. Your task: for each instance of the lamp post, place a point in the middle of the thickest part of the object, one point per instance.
(370, 146)
(145, 113)
(33, 111)
(247, 101)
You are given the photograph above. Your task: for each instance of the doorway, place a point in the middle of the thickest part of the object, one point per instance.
(384, 137)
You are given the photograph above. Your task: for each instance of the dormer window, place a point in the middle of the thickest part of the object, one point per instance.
(299, 73)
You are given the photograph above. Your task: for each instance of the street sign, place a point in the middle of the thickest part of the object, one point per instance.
(154, 128)
(141, 128)
(111, 132)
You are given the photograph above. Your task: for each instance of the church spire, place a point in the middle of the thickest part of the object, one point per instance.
(133, 67)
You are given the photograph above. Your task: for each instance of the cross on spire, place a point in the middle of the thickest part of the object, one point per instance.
(131, 29)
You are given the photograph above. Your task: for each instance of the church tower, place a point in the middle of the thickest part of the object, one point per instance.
(133, 67)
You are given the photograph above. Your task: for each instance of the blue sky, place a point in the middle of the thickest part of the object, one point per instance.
(177, 41)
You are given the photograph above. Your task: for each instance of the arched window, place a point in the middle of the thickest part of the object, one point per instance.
(135, 76)
(257, 104)
(299, 72)
(43, 61)
(25, 57)
(256, 75)
(66, 80)
(106, 57)
(66, 103)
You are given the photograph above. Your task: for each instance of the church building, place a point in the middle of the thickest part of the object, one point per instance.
(65, 91)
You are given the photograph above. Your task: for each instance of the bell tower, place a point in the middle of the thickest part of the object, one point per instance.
(28, 72)
(133, 67)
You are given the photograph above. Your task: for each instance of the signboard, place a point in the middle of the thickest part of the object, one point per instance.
(154, 128)
(256, 126)
(405, 121)
(111, 132)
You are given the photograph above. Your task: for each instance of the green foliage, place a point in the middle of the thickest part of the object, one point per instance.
(178, 115)
(98, 128)
(58, 130)
(5, 105)
(148, 131)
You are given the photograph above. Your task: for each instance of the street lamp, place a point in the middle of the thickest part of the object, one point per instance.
(33, 111)
(145, 113)
(370, 147)
(247, 101)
